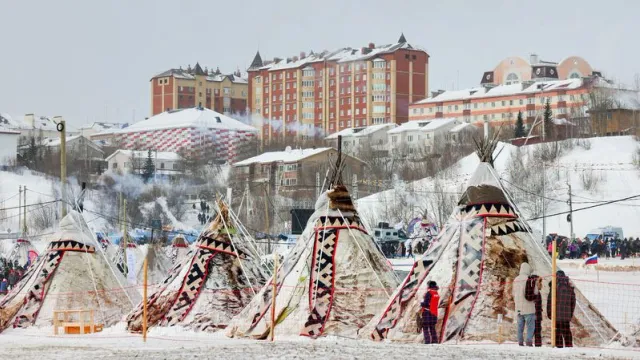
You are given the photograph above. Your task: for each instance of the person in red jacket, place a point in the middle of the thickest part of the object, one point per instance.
(430, 313)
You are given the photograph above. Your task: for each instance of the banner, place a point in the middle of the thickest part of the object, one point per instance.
(131, 268)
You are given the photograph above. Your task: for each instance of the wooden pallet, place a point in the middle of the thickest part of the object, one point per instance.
(84, 325)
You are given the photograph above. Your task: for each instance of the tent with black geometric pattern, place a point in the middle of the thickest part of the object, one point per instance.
(474, 260)
(21, 252)
(332, 282)
(71, 273)
(215, 280)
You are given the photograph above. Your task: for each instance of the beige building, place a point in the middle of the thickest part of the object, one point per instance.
(365, 138)
(167, 164)
(420, 137)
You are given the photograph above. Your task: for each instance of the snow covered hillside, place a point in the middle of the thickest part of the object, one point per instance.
(604, 165)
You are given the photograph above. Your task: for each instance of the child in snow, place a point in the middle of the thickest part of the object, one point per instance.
(430, 313)
(533, 282)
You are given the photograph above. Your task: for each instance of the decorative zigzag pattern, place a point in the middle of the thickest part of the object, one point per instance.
(35, 296)
(216, 244)
(409, 288)
(468, 273)
(70, 245)
(506, 228)
(191, 287)
(498, 210)
(321, 281)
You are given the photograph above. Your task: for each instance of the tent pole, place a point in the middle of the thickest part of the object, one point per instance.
(553, 294)
(144, 302)
(124, 239)
(273, 296)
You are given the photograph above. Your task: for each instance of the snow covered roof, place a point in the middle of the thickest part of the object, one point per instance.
(160, 155)
(39, 122)
(359, 131)
(287, 156)
(422, 125)
(102, 126)
(504, 90)
(626, 99)
(184, 118)
(340, 55)
(562, 121)
(459, 127)
(213, 77)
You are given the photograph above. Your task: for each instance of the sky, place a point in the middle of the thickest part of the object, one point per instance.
(92, 60)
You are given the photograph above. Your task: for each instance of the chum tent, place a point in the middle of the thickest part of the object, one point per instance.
(217, 278)
(71, 273)
(332, 282)
(474, 261)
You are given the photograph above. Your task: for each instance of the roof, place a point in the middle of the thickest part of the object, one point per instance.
(359, 131)
(289, 156)
(192, 117)
(54, 142)
(212, 77)
(342, 55)
(39, 123)
(160, 155)
(257, 61)
(102, 126)
(504, 90)
(422, 125)
(626, 99)
(460, 127)
(9, 132)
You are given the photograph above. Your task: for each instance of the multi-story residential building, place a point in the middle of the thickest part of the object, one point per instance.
(322, 93)
(294, 172)
(181, 89)
(501, 104)
(420, 137)
(371, 138)
(515, 69)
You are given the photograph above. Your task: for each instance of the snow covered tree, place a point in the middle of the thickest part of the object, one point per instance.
(548, 123)
(149, 168)
(520, 130)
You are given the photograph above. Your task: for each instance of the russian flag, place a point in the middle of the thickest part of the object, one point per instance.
(592, 260)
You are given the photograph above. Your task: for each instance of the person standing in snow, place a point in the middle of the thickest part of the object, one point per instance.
(525, 309)
(565, 306)
(430, 313)
(533, 293)
(4, 285)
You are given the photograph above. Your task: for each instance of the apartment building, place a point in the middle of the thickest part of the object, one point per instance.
(364, 138)
(321, 93)
(420, 136)
(196, 87)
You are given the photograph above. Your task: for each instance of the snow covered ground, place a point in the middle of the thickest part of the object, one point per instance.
(177, 344)
(609, 159)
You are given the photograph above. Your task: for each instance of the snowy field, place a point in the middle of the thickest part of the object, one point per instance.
(173, 344)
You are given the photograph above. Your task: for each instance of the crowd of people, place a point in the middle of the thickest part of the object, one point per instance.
(10, 273)
(604, 247)
(527, 295)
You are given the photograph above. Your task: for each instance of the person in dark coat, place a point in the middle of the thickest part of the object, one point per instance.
(565, 306)
(533, 282)
(4, 286)
(430, 313)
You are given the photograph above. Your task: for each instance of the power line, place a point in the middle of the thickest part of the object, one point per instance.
(587, 207)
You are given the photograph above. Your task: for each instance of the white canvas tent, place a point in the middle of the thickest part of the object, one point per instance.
(72, 273)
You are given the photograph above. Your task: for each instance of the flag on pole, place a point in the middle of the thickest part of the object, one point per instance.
(592, 260)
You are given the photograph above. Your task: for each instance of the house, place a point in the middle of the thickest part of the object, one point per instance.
(8, 146)
(419, 137)
(97, 127)
(463, 133)
(33, 125)
(365, 138)
(615, 112)
(167, 164)
(77, 146)
(295, 172)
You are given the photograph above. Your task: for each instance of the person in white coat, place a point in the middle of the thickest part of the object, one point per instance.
(525, 309)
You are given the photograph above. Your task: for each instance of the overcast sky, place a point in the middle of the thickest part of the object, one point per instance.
(92, 60)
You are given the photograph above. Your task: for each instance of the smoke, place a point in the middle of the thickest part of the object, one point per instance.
(131, 186)
(258, 121)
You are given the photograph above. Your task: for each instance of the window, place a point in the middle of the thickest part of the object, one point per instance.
(388, 76)
(449, 108)
(341, 113)
(161, 165)
(307, 105)
(349, 112)
(455, 107)
(364, 111)
(378, 64)
(114, 165)
(288, 86)
(379, 87)
(378, 76)
(493, 104)
(357, 111)
(331, 126)
(531, 101)
(410, 138)
(295, 106)
(331, 93)
(175, 166)
(273, 87)
(308, 72)
(377, 109)
(357, 100)
(288, 96)
(274, 98)
(394, 139)
(287, 107)
(308, 83)
(341, 123)
(512, 79)
(295, 85)
(280, 97)
(331, 115)
(332, 104)
(388, 109)
(280, 77)
(266, 90)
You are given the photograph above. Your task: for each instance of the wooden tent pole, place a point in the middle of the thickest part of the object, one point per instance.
(553, 294)
(273, 296)
(144, 302)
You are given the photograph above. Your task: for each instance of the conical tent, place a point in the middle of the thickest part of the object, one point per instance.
(213, 283)
(72, 273)
(178, 249)
(158, 264)
(129, 263)
(22, 252)
(332, 282)
(474, 261)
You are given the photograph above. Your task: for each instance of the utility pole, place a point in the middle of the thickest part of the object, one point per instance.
(19, 207)
(570, 217)
(544, 205)
(62, 129)
(124, 239)
(24, 214)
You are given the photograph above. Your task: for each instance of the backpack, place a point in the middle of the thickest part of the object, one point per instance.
(529, 289)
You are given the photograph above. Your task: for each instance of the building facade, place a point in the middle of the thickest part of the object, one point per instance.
(419, 138)
(371, 138)
(181, 89)
(9, 148)
(190, 131)
(166, 164)
(322, 93)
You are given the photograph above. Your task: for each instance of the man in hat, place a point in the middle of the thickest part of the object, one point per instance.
(565, 306)
(430, 313)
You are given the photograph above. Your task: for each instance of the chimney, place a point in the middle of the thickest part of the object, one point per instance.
(533, 59)
(29, 119)
(372, 46)
(362, 50)
(295, 58)
(302, 55)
